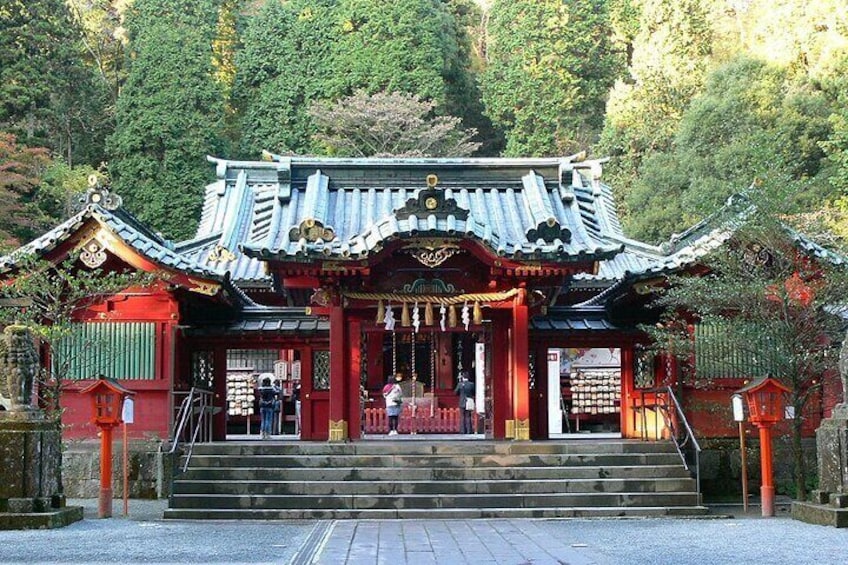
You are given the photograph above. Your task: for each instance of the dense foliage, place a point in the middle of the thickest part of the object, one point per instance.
(170, 114)
(549, 67)
(692, 99)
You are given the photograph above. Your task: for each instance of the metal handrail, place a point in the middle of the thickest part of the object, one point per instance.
(191, 417)
(673, 422)
(689, 437)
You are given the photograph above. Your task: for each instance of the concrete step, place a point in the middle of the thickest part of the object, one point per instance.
(441, 513)
(429, 473)
(431, 501)
(423, 447)
(417, 479)
(440, 461)
(403, 486)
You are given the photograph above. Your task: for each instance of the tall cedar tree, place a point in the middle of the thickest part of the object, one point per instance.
(306, 51)
(670, 44)
(549, 66)
(170, 113)
(48, 97)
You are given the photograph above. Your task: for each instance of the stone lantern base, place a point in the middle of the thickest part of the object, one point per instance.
(830, 502)
(29, 477)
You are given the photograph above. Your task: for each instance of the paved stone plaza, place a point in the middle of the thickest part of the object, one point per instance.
(145, 538)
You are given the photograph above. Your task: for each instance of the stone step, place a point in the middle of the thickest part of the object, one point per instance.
(437, 461)
(441, 513)
(431, 479)
(431, 501)
(427, 473)
(447, 487)
(421, 447)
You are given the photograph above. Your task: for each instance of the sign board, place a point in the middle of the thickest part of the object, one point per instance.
(127, 412)
(738, 408)
(480, 377)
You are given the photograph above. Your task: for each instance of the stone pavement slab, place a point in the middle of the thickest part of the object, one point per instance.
(578, 542)
(144, 537)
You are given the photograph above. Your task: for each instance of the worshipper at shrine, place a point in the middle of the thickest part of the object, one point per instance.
(267, 397)
(394, 402)
(465, 390)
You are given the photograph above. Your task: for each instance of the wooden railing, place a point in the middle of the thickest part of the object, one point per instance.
(420, 421)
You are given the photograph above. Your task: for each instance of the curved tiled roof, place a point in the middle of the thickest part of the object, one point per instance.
(126, 227)
(519, 208)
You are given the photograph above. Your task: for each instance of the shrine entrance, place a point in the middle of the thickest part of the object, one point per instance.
(584, 392)
(428, 363)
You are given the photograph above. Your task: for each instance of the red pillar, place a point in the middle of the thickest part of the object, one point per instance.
(501, 372)
(104, 503)
(354, 355)
(767, 487)
(521, 374)
(627, 385)
(339, 394)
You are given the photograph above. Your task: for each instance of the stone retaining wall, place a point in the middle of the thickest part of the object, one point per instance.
(148, 462)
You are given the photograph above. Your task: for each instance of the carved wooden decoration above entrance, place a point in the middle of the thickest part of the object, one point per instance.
(431, 202)
(432, 253)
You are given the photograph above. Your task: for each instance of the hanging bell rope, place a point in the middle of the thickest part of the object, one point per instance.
(432, 371)
(412, 370)
(394, 353)
(381, 312)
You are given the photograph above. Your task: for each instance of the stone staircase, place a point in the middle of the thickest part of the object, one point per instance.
(433, 479)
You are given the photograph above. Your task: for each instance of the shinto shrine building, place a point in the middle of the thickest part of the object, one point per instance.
(334, 274)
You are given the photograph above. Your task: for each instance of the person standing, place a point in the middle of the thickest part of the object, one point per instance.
(394, 402)
(267, 396)
(296, 398)
(465, 390)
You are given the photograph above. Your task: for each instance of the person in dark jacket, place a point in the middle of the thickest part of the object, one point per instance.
(267, 396)
(465, 390)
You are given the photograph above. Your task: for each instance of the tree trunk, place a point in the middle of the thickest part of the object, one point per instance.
(799, 471)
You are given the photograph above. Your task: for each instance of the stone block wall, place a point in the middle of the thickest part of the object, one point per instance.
(149, 469)
(721, 466)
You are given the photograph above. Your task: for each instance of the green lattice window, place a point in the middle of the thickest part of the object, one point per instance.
(736, 350)
(321, 370)
(643, 370)
(119, 350)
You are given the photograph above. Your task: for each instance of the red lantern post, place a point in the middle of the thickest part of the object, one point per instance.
(107, 400)
(765, 407)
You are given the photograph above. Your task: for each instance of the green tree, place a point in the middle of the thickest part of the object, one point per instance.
(282, 67)
(751, 121)
(774, 306)
(388, 124)
(549, 67)
(47, 298)
(303, 51)
(170, 113)
(48, 97)
(671, 47)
